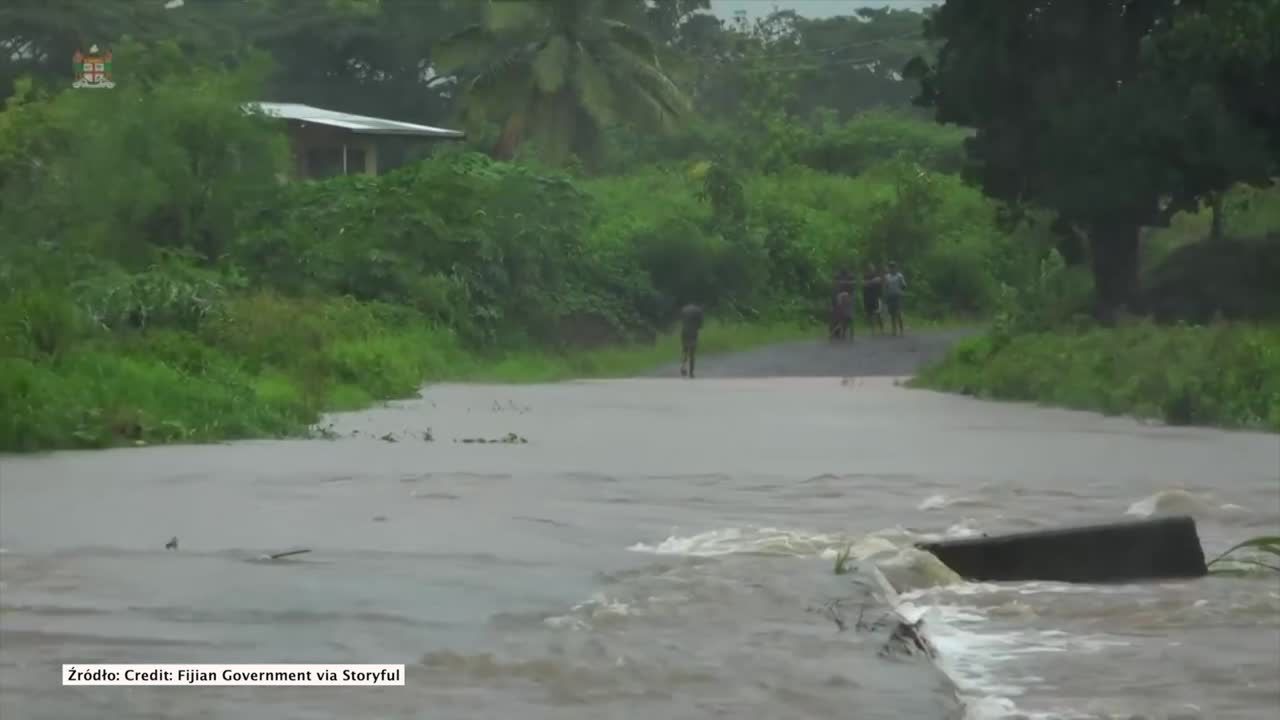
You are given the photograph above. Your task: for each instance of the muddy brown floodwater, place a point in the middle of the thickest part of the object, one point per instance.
(653, 550)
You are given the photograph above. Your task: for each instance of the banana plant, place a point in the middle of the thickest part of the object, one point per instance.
(559, 72)
(1230, 562)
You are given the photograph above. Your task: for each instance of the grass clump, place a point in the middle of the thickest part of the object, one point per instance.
(843, 564)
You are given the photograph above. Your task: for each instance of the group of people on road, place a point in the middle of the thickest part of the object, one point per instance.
(882, 293)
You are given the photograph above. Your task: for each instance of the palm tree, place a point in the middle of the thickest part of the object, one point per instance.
(560, 71)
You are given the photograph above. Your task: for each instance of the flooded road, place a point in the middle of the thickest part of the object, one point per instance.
(657, 548)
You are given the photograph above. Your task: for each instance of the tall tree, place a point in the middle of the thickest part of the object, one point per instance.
(1073, 114)
(560, 71)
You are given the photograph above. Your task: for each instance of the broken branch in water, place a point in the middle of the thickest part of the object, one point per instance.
(287, 553)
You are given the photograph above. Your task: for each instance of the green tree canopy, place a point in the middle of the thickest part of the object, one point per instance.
(1087, 108)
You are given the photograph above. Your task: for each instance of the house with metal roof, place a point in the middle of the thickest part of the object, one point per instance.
(325, 143)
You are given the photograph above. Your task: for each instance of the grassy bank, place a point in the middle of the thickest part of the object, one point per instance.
(1223, 375)
(266, 367)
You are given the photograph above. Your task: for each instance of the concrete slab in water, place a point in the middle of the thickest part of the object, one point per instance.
(1157, 548)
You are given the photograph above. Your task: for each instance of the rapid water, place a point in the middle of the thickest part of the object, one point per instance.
(657, 548)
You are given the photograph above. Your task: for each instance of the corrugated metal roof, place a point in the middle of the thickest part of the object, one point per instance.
(361, 124)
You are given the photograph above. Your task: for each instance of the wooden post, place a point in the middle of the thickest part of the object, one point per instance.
(344, 158)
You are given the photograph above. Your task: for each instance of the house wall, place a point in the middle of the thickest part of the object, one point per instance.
(305, 138)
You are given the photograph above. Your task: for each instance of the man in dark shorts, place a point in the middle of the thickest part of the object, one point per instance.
(690, 326)
(872, 288)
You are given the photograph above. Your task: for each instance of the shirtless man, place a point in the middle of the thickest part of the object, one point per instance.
(690, 326)
(842, 317)
(843, 284)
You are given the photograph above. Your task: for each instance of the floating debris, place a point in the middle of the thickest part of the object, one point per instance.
(427, 436)
(379, 518)
(325, 433)
(285, 554)
(508, 439)
(510, 405)
(388, 438)
(172, 544)
(908, 640)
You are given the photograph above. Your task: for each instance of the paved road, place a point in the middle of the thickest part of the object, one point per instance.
(866, 356)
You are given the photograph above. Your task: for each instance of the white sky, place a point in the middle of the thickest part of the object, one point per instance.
(810, 8)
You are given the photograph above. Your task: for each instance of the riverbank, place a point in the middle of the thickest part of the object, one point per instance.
(1225, 375)
(270, 368)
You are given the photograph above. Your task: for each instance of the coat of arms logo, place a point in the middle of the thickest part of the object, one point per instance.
(93, 70)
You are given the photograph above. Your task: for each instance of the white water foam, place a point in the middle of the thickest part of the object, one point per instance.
(944, 502)
(982, 662)
(934, 502)
(1182, 502)
(599, 607)
(729, 541)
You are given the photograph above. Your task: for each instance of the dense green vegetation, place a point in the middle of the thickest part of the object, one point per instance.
(1113, 115)
(1214, 359)
(1117, 117)
(158, 282)
(1218, 375)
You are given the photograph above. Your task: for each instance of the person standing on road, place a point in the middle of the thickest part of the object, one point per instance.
(895, 286)
(842, 321)
(872, 287)
(843, 284)
(690, 326)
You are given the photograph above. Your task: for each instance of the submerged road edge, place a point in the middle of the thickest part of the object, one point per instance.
(959, 710)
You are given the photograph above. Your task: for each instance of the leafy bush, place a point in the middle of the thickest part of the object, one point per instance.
(40, 323)
(848, 148)
(879, 136)
(1222, 375)
(1056, 295)
(472, 243)
(1232, 277)
(172, 293)
(167, 163)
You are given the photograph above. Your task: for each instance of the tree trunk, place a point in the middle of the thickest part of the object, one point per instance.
(1115, 267)
(1217, 229)
(511, 138)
